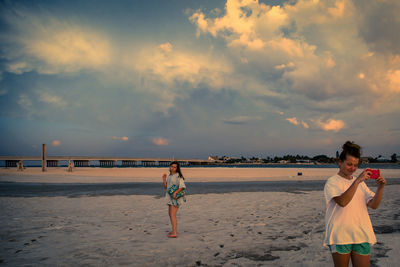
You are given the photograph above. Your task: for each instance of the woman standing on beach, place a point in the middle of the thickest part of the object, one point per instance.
(174, 180)
(348, 228)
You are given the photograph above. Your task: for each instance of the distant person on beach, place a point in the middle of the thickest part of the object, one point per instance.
(348, 229)
(174, 196)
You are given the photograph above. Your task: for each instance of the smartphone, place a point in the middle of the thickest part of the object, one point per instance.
(374, 173)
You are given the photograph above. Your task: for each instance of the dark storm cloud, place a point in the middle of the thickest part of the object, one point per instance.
(379, 25)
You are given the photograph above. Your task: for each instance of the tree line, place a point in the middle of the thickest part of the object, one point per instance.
(302, 159)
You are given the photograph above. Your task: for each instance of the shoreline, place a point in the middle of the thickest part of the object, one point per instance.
(17, 189)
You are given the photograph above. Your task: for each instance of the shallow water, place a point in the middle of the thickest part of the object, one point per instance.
(12, 189)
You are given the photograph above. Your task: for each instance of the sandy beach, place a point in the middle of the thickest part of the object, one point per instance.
(125, 175)
(215, 229)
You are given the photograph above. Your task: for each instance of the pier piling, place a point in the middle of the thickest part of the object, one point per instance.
(44, 156)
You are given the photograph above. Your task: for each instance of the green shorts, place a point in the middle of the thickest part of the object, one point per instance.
(362, 249)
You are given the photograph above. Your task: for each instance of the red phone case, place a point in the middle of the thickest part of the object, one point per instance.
(375, 174)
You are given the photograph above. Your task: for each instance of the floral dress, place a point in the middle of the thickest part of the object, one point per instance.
(174, 179)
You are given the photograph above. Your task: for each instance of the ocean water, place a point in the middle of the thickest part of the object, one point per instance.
(12, 189)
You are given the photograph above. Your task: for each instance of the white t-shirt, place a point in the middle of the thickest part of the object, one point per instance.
(350, 224)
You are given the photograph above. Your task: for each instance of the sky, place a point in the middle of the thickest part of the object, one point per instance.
(193, 78)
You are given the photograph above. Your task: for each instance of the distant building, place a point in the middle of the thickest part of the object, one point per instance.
(225, 158)
(214, 158)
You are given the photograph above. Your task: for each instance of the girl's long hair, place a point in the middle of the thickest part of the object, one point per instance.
(178, 169)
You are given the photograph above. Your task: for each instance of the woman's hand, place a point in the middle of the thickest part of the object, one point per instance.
(364, 175)
(174, 195)
(380, 181)
(164, 177)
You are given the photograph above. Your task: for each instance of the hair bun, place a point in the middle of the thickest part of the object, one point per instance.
(350, 148)
(348, 145)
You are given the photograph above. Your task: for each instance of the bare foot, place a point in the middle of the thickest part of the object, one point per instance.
(172, 235)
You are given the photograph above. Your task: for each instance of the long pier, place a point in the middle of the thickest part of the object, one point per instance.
(82, 161)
